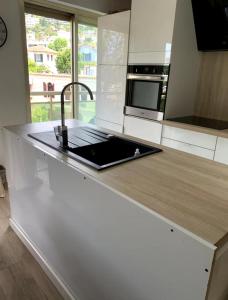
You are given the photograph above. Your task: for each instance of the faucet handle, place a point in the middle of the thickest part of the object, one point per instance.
(61, 134)
(57, 131)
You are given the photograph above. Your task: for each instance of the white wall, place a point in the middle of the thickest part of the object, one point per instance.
(1, 149)
(12, 71)
(185, 64)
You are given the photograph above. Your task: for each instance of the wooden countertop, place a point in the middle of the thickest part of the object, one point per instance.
(219, 133)
(188, 190)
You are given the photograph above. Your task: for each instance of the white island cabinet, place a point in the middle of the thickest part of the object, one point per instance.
(151, 31)
(93, 241)
(113, 35)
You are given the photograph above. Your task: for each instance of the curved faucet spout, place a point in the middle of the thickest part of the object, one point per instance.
(61, 132)
(62, 97)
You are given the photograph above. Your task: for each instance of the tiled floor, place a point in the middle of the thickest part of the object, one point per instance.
(21, 277)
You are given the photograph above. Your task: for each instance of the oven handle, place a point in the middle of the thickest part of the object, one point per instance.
(160, 78)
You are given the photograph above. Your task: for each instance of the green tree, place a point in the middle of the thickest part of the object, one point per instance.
(59, 44)
(40, 113)
(63, 61)
(35, 68)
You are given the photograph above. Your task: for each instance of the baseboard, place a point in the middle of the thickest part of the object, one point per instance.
(63, 289)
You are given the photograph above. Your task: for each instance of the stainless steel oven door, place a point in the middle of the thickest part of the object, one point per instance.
(146, 95)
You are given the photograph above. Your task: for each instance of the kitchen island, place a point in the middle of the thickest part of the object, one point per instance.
(154, 228)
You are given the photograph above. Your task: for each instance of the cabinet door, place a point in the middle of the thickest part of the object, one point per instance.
(188, 148)
(109, 125)
(143, 129)
(111, 86)
(151, 30)
(113, 35)
(199, 139)
(221, 153)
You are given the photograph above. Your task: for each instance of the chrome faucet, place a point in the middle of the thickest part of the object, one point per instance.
(61, 131)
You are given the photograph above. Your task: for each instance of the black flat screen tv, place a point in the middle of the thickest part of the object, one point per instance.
(211, 24)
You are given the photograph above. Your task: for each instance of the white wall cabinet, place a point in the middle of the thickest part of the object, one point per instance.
(113, 35)
(151, 31)
(221, 153)
(143, 129)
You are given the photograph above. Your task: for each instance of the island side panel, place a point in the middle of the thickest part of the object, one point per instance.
(218, 287)
(101, 244)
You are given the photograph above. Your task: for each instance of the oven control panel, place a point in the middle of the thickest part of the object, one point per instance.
(149, 69)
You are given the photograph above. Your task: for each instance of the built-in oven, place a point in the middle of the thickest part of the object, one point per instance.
(146, 91)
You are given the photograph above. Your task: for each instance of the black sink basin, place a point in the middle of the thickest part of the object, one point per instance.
(114, 151)
(96, 148)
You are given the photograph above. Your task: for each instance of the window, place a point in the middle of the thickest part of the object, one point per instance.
(87, 71)
(38, 57)
(51, 33)
(50, 71)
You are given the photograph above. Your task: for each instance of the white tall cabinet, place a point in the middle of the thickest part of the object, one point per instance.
(113, 35)
(151, 31)
(163, 32)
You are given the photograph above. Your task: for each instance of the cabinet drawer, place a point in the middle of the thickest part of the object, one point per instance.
(190, 137)
(221, 153)
(192, 149)
(143, 129)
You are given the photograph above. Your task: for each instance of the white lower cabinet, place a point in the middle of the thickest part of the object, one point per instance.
(190, 137)
(143, 129)
(109, 125)
(192, 149)
(189, 141)
(221, 152)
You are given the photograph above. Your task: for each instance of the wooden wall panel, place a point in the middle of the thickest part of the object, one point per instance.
(212, 93)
